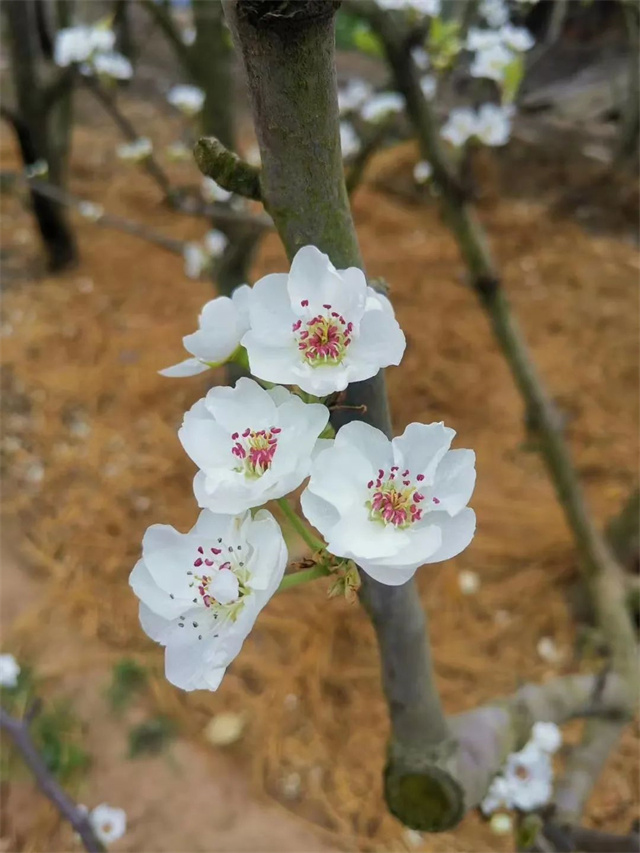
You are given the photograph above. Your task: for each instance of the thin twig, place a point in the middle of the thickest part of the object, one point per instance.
(18, 731)
(107, 220)
(129, 132)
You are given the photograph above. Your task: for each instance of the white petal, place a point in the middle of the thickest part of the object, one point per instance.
(421, 447)
(205, 441)
(455, 480)
(457, 533)
(188, 367)
(340, 475)
(388, 575)
(151, 595)
(368, 441)
(270, 311)
(246, 405)
(224, 586)
(319, 512)
(380, 341)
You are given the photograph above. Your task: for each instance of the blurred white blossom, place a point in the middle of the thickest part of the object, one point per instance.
(212, 191)
(495, 12)
(422, 171)
(113, 65)
(215, 242)
(493, 124)
(9, 670)
(353, 95)
(349, 141)
(109, 824)
(382, 105)
(39, 169)
(188, 99)
(491, 62)
(428, 84)
(420, 57)
(547, 736)
(79, 44)
(135, 152)
(518, 39)
(91, 211)
(459, 127)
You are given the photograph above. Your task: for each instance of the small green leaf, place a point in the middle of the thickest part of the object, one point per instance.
(513, 74)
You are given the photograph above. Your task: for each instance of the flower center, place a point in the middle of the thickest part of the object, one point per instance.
(324, 339)
(255, 449)
(395, 498)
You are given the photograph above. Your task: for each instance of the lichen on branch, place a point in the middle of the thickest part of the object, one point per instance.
(227, 169)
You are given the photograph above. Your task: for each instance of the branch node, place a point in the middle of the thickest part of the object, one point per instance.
(226, 168)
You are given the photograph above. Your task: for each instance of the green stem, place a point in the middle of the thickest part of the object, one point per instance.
(296, 578)
(299, 526)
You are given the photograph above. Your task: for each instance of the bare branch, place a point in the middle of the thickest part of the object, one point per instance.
(162, 17)
(226, 168)
(372, 143)
(18, 731)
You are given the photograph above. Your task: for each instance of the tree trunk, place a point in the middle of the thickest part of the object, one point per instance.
(288, 50)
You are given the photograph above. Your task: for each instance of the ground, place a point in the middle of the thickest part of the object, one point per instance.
(91, 458)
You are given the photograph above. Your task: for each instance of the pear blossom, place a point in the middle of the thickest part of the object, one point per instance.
(39, 169)
(493, 124)
(421, 58)
(349, 141)
(251, 445)
(188, 99)
(135, 152)
(529, 775)
(428, 85)
(212, 191)
(546, 736)
(498, 796)
(495, 12)
(492, 62)
(188, 36)
(460, 126)
(178, 151)
(9, 671)
(422, 171)
(221, 325)
(320, 328)
(113, 65)
(77, 44)
(215, 243)
(392, 506)
(91, 211)
(382, 105)
(201, 592)
(353, 95)
(481, 39)
(196, 260)
(517, 39)
(424, 7)
(109, 824)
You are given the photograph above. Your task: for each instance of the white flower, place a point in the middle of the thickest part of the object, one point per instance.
(135, 152)
(424, 7)
(349, 142)
(320, 328)
(497, 797)
(251, 445)
(478, 39)
(469, 582)
(546, 736)
(493, 124)
(548, 651)
(518, 39)
(221, 324)
(529, 775)
(495, 12)
(422, 171)
(91, 211)
(392, 505)
(420, 57)
(196, 260)
(113, 65)
(353, 95)
(215, 242)
(491, 62)
(188, 99)
(178, 151)
(9, 671)
(200, 592)
(39, 169)
(78, 44)
(428, 84)
(212, 191)
(108, 824)
(382, 105)
(460, 126)
(188, 36)
(501, 824)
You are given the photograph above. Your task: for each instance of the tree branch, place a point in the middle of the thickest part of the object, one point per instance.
(18, 731)
(129, 132)
(372, 143)
(602, 572)
(226, 168)
(162, 17)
